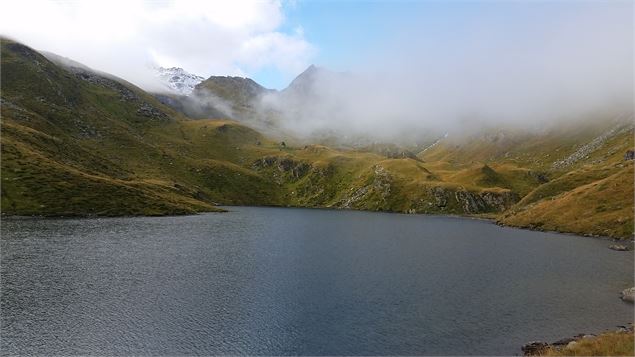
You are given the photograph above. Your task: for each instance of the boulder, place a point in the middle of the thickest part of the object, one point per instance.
(618, 247)
(628, 294)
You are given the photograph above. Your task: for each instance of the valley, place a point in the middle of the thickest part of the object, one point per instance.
(76, 142)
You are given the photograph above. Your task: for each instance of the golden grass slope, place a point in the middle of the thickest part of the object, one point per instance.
(603, 207)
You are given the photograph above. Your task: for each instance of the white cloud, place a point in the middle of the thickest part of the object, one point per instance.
(123, 37)
(276, 49)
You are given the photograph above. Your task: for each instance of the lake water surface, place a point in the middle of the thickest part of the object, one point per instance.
(278, 281)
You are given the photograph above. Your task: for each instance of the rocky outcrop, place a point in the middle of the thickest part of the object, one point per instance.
(126, 95)
(628, 295)
(485, 201)
(630, 155)
(584, 151)
(377, 190)
(440, 197)
(149, 111)
(91, 77)
(296, 169)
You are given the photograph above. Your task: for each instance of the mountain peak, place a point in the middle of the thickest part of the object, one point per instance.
(178, 79)
(311, 70)
(305, 80)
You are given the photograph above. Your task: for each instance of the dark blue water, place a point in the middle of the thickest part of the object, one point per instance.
(280, 281)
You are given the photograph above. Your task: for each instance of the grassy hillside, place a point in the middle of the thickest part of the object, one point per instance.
(601, 206)
(77, 142)
(570, 178)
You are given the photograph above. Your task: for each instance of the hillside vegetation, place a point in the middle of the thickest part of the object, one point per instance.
(78, 142)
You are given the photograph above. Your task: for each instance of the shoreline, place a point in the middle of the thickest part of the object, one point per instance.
(223, 209)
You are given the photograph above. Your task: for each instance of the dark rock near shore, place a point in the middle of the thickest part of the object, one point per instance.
(534, 348)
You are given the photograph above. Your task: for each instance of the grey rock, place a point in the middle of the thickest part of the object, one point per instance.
(585, 150)
(619, 247)
(440, 197)
(486, 201)
(628, 295)
(149, 111)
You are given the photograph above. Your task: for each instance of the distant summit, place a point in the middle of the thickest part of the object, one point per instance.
(305, 82)
(241, 91)
(178, 80)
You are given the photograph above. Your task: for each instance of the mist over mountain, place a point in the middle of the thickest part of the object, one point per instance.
(528, 77)
(518, 65)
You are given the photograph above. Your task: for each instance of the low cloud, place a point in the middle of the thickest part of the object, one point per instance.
(513, 72)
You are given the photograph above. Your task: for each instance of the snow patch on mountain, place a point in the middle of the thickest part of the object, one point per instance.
(178, 80)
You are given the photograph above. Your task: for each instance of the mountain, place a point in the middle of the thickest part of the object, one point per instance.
(305, 83)
(178, 80)
(78, 142)
(241, 92)
(245, 100)
(237, 98)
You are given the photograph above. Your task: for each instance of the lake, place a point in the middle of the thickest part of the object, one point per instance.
(282, 281)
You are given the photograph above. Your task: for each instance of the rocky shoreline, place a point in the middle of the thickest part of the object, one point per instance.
(537, 348)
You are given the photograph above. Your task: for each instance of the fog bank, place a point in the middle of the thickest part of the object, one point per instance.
(492, 72)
